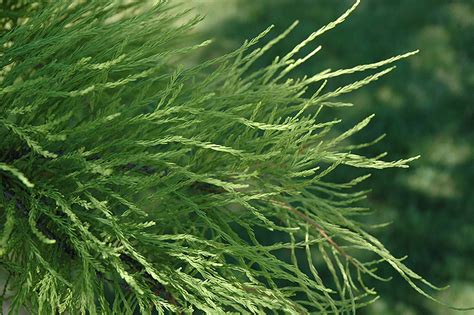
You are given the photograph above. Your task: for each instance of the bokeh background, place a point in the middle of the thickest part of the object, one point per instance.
(425, 106)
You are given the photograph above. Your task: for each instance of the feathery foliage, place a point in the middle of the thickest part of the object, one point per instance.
(129, 184)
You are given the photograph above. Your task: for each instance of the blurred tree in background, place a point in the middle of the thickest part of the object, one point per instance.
(425, 107)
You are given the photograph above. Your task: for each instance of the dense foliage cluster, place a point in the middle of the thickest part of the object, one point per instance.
(129, 184)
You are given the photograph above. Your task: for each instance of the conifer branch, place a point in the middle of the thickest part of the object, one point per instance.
(129, 183)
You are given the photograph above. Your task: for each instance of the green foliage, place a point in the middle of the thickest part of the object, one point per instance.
(129, 184)
(424, 107)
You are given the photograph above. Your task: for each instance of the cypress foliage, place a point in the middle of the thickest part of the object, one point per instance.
(130, 184)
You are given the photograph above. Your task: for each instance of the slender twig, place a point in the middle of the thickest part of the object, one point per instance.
(317, 226)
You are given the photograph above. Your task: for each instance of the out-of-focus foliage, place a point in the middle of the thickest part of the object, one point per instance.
(426, 107)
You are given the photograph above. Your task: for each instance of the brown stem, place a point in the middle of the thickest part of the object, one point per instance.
(317, 226)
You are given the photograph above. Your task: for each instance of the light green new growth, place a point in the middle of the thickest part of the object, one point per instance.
(129, 184)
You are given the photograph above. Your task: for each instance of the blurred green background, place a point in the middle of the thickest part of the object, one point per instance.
(425, 106)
